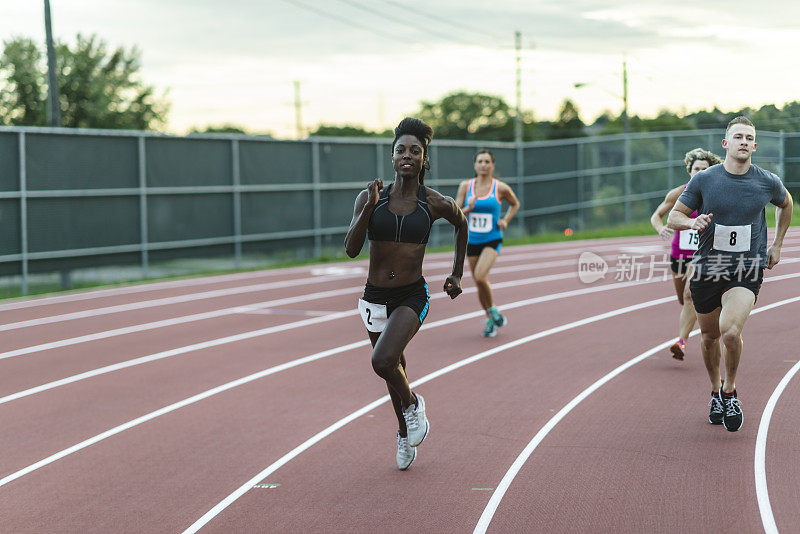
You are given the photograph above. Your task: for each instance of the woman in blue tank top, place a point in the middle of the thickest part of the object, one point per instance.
(481, 199)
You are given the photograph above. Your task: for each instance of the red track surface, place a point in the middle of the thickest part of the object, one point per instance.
(636, 455)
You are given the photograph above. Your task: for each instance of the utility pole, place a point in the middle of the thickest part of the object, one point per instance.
(625, 120)
(298, 109)
(53, 107)
(518, 114)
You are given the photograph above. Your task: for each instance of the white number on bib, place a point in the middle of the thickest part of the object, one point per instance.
(480, 222)
(374, 315)
(732, 238)
(688, 239)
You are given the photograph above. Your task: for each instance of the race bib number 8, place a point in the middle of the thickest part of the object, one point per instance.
(732, 238)
(480, 223)
(688, 240)
(373, 315)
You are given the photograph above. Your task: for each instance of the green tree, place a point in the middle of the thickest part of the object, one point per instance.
(463, 115)
(347, 130)
(219, 128)
(23, 92)
(568, 124)
(99, 88)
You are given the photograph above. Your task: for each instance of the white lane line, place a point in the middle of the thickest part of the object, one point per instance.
(247, 308)
(508, 478)
(201, 296)
(78, 295)
(312, 358)
(762, 495)
(238, 290)
(298, 324)
(208, 516)
(164, 302)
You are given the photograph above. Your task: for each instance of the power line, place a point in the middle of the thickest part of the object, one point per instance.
(460, 26)
(393, 20)
(337, 18)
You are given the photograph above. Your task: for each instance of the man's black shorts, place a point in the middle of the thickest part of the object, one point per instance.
(707, 292)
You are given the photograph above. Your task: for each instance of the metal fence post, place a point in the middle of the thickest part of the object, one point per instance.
(627, 184)
(781, 154)
(23, 212)
(143, 218)
(433, 175)
(521, 186)
(237, 204)
(579, 169)
(317, 197)
(670, 169)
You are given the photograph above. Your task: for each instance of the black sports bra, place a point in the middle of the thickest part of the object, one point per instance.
(412, 228)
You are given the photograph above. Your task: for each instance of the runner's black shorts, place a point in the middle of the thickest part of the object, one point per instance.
(679, 265)
(707, 292)
(416, 296)
(475, 250)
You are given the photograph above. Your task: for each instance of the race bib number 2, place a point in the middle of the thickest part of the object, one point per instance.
(732, 238)
(688, 240)
(373, 315)
(480, 223)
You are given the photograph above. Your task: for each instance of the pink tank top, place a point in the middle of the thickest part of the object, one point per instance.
(677, 251)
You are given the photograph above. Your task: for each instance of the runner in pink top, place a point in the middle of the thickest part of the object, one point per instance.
(684, 243)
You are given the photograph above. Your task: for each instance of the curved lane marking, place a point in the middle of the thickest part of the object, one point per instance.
(508, 478)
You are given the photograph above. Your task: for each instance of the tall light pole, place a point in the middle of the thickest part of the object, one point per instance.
(53, 107)
(298, 109)
(626, 124)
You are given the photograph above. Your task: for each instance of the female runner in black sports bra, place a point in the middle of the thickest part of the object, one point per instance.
(398, 220)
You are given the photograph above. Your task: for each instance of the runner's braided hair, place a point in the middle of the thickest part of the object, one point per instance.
(420, 130)
(701, 155)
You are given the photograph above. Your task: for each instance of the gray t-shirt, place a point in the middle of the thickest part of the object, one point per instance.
(736, 238)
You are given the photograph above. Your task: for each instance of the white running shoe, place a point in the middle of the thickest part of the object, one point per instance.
(405, 453)
(417, 424)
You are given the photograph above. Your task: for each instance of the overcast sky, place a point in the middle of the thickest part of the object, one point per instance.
(371, 62)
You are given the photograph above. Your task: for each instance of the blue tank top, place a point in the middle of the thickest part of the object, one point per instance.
(484, 215)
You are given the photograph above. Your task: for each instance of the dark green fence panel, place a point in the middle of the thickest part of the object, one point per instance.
(9, 162)
(76, 223)
(337, 206)
(178, 217)
(278, 211)
(188, 162)
(275, 162)
(549, 159)
(339, 162)
(80, 162)
(9, 222)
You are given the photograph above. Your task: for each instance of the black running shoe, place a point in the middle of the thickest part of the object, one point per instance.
(732, 417)
(717, 410)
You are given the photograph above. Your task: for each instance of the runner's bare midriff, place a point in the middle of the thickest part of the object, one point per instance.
(395, 264)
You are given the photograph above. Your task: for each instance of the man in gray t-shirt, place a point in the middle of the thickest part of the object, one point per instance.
(732, 254)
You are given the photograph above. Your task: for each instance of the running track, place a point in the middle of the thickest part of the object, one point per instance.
(247, 403)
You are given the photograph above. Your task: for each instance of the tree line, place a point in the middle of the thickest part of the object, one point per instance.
(101, 87)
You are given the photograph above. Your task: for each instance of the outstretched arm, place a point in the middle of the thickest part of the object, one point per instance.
(365, 203)
(507, 194)
(656, 220)
(446, 208)
(679, 218)
(783, 217)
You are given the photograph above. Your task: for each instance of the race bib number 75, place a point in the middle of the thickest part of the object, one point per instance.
(732, 238)
(688, 240)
